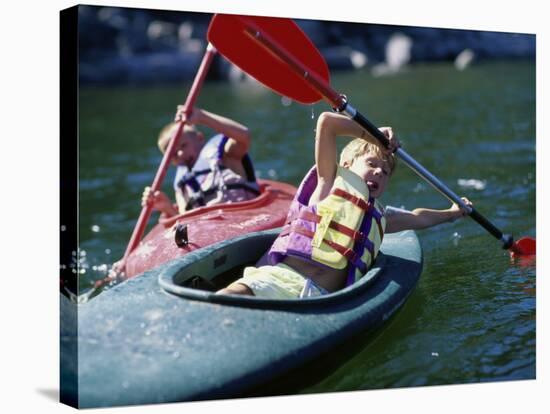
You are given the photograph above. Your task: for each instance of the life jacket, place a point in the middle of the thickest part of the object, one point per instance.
(345, 229)
(210, 182)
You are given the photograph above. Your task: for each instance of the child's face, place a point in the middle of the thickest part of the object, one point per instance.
(189, 148)
(374, 171)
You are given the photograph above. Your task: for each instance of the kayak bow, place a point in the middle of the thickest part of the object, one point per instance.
(172, 338)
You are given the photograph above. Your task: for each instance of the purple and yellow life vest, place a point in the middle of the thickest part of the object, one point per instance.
(344, 230)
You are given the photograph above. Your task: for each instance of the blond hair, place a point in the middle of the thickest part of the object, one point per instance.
(359, 147)
(168, 131)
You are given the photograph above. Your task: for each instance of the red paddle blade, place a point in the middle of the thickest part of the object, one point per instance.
(234, 37)
(526, 246)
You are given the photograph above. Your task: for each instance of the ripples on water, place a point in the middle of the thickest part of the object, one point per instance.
(472, 316)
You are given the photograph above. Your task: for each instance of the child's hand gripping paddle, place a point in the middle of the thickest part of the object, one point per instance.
(278, 54)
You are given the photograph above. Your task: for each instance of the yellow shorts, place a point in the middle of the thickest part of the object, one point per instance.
(279, 282)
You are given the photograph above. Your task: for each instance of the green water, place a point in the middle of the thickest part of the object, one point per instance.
(472, 316)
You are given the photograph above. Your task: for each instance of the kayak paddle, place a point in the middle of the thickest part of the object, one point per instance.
(168, 155)
(277, 53)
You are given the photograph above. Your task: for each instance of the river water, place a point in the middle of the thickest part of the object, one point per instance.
(472, 315)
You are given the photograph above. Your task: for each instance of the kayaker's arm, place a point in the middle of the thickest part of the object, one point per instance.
(421, 218)
(239, 142)
(181, 202)
(329, 126)
(159, 202)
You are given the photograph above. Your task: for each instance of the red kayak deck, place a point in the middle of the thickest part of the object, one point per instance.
(212, 224)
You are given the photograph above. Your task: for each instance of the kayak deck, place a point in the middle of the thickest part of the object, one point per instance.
(211, 224)
(151, 340)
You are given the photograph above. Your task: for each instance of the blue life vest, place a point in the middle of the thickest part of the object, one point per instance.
(210, 182)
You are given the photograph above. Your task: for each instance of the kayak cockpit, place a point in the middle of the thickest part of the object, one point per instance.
(198, 275)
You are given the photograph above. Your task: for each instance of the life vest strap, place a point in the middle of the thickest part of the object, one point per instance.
(359, 202)
(191, 181)
(348, 231)
(191, 177)
(349, 254)
(368, 207)
(196, 201)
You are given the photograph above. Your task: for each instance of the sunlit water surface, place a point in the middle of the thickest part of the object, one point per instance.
(472, 315)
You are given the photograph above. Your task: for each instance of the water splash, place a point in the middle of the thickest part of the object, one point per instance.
(313, 117)
(456, 238)
(88, 270)
(472, 183)
(103, 268)
(286, 101)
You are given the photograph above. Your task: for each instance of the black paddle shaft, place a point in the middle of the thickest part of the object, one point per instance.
(340, 104)
(506, 239)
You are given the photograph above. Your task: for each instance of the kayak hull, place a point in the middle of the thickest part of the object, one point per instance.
(152, 340)
(212, 224)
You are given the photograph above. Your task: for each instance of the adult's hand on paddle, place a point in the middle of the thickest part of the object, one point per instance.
(158, 201)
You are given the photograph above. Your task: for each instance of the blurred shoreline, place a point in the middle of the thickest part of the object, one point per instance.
(125, 46)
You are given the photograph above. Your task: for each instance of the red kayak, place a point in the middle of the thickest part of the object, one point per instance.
(203, 226)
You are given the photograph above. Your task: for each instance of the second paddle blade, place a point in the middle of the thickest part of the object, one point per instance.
(526, 246)
(234, 37)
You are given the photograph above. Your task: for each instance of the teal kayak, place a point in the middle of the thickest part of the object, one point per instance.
(165, 336)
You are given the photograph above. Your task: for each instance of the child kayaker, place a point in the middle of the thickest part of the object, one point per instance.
(208, 172)
(335, 225)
